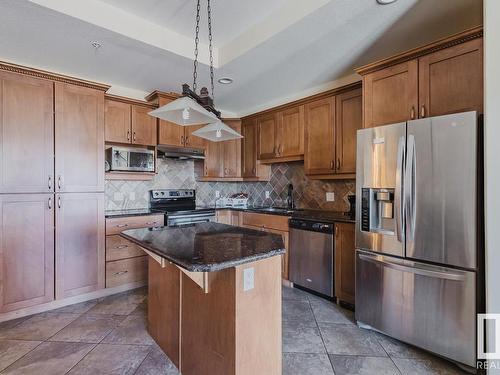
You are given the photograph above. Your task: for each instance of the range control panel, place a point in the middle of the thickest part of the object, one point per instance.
(168, 193)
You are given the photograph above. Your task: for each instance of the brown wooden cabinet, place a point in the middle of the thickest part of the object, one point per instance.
(319, 137)
(80, 248)
(345, 260)
(266, 136)
(143, 126)
(26, 134)
(349, 119)
(79, 139)
(26, 250)
(192, 141)
(231, 152)
(438, 79)
(249, 148)
(212, 167)
(290, 133)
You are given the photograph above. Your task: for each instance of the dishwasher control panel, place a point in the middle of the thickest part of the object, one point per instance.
(312, 226)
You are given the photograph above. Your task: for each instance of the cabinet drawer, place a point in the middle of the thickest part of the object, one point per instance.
(266, 221)
(120, 272)
(119, 224)
(118, 247)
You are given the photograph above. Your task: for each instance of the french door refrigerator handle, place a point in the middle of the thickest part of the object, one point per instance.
(377, 259)
(410, 187)
(398, 194)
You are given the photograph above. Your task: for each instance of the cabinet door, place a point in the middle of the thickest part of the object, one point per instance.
(79, 139)
(26, 134)
(231, 152)
(266, 141)
(117, 118)
(192, 141)
(169, 134)
(143, 126)
(451, 80)
(345, 260)
(349, 120)
(319, 155)
(249, 153)
(213, 160)
(26, 250)
(80, 240)
(390, 95)
(290, 132)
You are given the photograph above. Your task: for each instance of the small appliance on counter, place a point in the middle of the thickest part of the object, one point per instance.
(351, 214)
(238, 200)
(130, 159)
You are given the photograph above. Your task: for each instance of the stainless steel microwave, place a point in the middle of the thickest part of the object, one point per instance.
(130, 159)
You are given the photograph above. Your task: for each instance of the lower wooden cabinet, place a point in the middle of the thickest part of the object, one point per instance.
(345, 260)
(26, 250)
(79, 243)
(125, 271)
(229, 217)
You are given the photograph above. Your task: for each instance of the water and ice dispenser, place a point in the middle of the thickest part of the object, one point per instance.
(377, 210)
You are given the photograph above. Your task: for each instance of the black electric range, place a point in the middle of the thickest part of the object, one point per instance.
(179, 206)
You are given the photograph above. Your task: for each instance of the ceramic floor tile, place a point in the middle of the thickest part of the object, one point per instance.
(112, 359)
(301, 338)
(306, 364)
(141, 309)
(12, 350)
(52, 358)
(350, 340)
(298, 310)
(88, 328)
(328, 312)
(39, 327)
(120, 304)
(354, 365)
(157, 363)
(133, 330)
(12, 323)
(434, 366)
(294, 294)
(397, 349)
(78, 308)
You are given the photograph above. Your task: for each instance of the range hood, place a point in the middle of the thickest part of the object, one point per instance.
(172, 152)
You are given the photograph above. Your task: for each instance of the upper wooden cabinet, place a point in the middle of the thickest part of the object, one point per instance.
(80, 243)
(128, 123)
(349, 120)
(192, 141)
(79, 139)
(212, 165)
(266, 133)
(345, 260)
(26, 250)
(438, 79)
(391, 94)
(249, 156)
(451, 80)
(319, 137)
(26, 134)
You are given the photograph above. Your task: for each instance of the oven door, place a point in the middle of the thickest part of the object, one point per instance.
(188, 219)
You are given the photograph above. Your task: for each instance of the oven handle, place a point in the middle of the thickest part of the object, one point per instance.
(207, 215)
(181, 224)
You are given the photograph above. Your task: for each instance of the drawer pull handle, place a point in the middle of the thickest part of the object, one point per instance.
(121, 247)
(120, 273)
(152, 223)
(121, 225)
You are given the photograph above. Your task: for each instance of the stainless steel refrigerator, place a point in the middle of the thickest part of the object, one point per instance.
(417, 233)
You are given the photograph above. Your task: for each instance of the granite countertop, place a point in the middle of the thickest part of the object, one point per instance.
(131, 212)
(207, 247)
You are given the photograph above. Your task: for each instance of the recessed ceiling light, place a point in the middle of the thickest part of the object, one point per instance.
(225, 80)
(385, 2)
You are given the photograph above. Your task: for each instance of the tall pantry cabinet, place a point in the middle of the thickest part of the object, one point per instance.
(51, 188)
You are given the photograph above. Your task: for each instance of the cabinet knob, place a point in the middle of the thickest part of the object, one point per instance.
(182, 139)
(422, 111)
(254, 170)
(332, 164)
(187, 141)
(121, 247)
(412, 113)
(128, 135)
(59, 202)
(152, 223)
(50, 204)
(120, 273)
(134, 137)
(121, 225)
(338, 163)
(59, 182)
(50, 183)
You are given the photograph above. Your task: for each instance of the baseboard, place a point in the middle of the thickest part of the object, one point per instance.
(69, 301)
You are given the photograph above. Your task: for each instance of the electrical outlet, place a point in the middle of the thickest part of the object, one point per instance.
(267, 195)
(118, 196)
(217, 194)
(330, 197)
(131, 196)
(248, 279)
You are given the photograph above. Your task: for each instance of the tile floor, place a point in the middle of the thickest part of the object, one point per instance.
(108, 336)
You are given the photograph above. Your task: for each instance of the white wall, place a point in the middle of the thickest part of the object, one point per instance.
(492, 155)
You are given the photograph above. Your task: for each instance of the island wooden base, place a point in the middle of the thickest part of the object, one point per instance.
(221, 330)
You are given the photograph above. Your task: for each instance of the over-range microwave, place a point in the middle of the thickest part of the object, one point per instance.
(130, 159)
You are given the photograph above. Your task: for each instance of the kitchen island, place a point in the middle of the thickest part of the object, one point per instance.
(214, 297)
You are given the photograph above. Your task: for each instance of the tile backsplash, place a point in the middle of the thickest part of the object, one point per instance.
(181, 174)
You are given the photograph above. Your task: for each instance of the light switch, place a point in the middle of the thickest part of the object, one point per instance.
(217, 194)
(330, 197)
(248, 279)
(131, 195)
(267, 194)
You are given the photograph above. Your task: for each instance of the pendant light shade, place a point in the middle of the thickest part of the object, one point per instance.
(217, 132)
(184, 111)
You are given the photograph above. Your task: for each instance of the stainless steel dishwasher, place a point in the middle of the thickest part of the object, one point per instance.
(311, 255)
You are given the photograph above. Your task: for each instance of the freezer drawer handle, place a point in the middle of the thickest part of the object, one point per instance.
(417, 271)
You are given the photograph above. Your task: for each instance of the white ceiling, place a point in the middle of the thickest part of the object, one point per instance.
(275, 50)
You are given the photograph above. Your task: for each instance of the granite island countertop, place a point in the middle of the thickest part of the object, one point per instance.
(207, 247)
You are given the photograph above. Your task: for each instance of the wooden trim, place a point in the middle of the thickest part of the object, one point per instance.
(308, 99)
(199, 278)
(347, 176)
(123, 99)
(161, 261)
(155, 95)
(130, 176)
(70, 301)
(20, 69)
(282, 160)
(464, 36)
(231, 179)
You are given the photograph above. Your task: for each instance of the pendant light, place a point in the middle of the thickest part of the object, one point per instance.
(187, 110)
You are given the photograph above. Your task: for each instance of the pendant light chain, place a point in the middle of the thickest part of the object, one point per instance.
(209, 11)
(196, 41)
